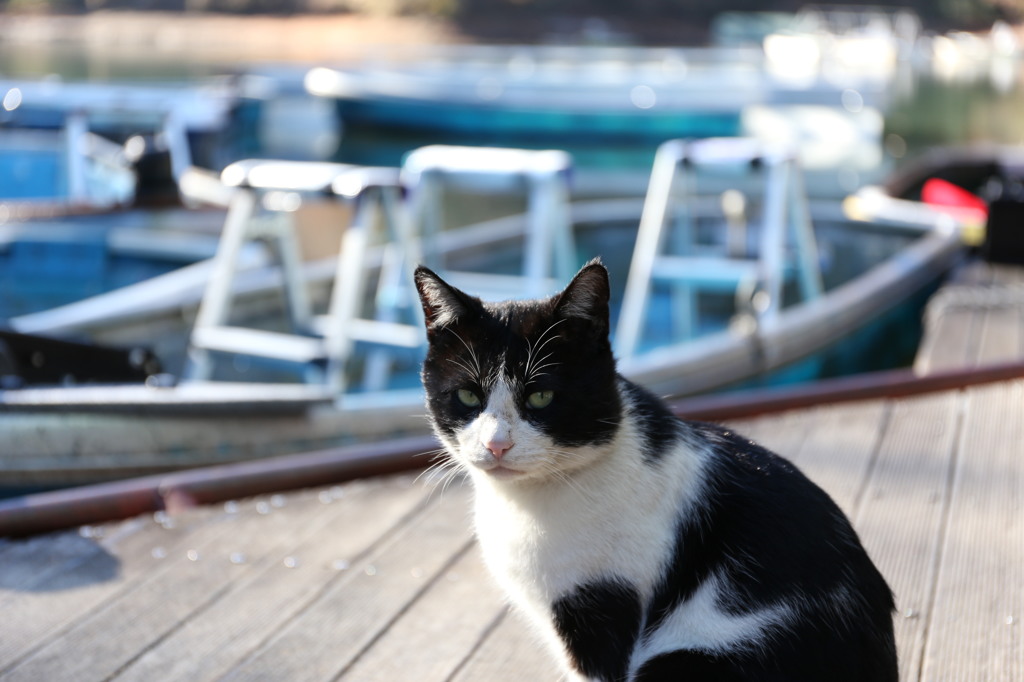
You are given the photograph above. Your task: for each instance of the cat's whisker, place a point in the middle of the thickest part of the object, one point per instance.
(532, 351)
(529, 356)
(440, 475)
(437, 474)
(437, 464)
(544, 359)
(570, 456)
(537, 365)
(432, 453)
(542, 341)
(537, 371)
(472, 354)
(553, 470)
(456, 473)
(465, 368)
(432, 473)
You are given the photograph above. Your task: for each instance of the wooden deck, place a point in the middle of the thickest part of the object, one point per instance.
(380, 579)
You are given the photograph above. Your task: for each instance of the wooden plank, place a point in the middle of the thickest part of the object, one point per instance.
(985, 303)
(113, 560)
(352, 523)
(975, 631)
(1001, 337)
(439, 631)
(899, 516)
(781, 433)
(834, 446)
(1006, 275)
(174, 586)
(950, 338)
(841, 447)
(132, 612)
(33, 562)
(511, 652)
(975, 273)
(347, 618)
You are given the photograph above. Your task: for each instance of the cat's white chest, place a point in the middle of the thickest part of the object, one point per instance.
(614, 522)
(513, 547)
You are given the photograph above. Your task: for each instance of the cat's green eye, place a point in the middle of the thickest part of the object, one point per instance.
(540, 399)
(468, 398)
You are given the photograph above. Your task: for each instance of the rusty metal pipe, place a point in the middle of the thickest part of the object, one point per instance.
(43, 512)
(868, 386)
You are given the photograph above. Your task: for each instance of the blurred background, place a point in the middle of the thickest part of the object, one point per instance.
(196, 194)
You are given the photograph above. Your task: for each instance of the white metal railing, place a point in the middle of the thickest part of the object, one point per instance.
(669, 208)
(260, 194)
(549, 258)
(322, 343)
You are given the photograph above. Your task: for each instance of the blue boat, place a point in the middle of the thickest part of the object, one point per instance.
(46, 263)
(76, 165)
(536, 94)
(64, 169)
(74, 147)
(744, 287)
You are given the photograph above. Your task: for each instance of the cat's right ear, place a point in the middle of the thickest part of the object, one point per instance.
(442, 303)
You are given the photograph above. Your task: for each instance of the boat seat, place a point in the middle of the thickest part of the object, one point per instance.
(264, 191)
(296, 176)
(549, 258)
(322, 343)
(666, 249)
(427, 175)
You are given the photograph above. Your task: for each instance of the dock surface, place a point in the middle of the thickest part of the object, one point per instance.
(380, 579)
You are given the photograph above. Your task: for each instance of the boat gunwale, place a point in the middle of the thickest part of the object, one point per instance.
(721, 355)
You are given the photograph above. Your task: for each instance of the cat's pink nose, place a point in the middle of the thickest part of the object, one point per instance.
(498, 446)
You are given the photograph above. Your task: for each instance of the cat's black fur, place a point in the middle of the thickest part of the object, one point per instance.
(754, 526)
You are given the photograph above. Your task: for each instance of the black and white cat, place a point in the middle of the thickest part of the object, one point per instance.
(643, 546)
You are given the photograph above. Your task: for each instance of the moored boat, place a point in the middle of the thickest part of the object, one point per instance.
(776, 303)
(539, 94)
(505, 94)
(89, 186)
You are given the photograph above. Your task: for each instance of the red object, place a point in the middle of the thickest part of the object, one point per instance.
(938, 192)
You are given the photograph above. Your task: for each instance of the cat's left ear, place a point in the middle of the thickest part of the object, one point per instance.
(587, 295)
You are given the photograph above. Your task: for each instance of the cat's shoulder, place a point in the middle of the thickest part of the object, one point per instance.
(660, 431)
(663, 432)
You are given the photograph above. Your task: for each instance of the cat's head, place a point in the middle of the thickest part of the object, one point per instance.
(521, 390)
